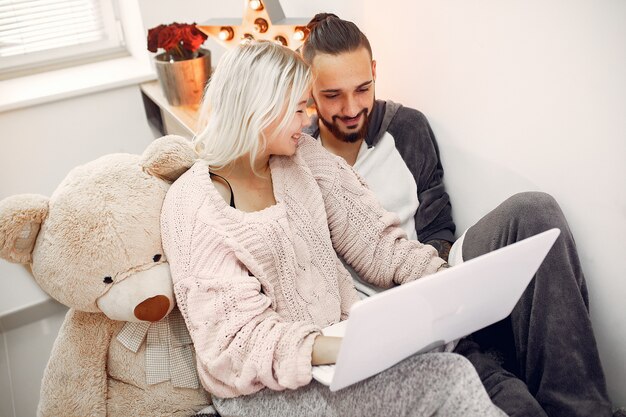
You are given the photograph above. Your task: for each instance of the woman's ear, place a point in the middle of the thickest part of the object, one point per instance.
(21, 217)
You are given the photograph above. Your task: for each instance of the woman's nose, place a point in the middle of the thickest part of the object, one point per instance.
(306, 120)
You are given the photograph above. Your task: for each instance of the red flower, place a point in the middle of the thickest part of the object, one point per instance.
(153, 38)
(169, 37)
(180, 40)
(192, 38)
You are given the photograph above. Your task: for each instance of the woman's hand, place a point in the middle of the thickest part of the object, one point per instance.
(325, 350)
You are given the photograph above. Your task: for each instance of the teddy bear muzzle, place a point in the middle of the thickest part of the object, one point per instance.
(143, 296)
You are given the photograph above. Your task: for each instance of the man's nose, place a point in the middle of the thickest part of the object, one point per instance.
(351, 107)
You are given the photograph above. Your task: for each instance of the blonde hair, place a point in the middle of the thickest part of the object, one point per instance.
(253, 85)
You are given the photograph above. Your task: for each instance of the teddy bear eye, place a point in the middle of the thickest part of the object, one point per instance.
(107, 280)
(156, 257)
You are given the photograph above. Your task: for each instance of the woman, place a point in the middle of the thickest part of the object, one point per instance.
(252, 232)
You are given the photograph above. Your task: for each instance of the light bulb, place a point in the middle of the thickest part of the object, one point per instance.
(256, 5)
(246, 38)
(260, 25)
(280, 40)
(299, 33)
(226, 33)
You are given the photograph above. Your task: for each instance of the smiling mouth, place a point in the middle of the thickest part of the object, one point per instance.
(351, 122)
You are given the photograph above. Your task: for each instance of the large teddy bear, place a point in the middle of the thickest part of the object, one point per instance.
(95, 246)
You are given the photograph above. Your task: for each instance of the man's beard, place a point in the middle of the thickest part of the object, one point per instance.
(343, 136)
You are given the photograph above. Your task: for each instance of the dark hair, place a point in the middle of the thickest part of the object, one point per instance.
(328, 34)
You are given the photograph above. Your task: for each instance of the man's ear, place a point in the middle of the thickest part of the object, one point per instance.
(374, 69)
(21, 217)
(168, 157)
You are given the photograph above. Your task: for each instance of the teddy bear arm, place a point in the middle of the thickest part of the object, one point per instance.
(75, 379)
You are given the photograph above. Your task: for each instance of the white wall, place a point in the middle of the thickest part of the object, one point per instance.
(40, 144)
(524, 95)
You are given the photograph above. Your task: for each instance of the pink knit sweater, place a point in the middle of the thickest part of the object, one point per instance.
(255, 288)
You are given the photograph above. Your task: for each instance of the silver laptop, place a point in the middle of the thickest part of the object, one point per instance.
(416, 317)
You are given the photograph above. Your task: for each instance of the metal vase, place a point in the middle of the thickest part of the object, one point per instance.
(183, 82)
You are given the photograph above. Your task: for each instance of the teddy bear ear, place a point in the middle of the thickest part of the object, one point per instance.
(21, 217)
(168, 157)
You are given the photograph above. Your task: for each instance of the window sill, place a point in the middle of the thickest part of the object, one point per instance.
(65, 83)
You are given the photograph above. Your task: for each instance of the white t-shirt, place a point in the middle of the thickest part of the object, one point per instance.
(396, 189)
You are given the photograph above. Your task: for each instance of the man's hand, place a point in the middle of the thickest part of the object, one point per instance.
(325, 350)
(442, 246)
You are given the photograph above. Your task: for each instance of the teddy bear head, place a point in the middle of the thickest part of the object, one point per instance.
(95, 244)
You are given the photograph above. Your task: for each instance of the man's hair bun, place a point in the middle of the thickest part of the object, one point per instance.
(328, 34)
(320, 17)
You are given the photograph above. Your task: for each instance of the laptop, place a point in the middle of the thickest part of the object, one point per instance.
(429, 312)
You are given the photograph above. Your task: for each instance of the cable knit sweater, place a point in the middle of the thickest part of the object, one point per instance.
(255, 288)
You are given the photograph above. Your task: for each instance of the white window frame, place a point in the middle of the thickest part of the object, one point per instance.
(46, 87)
(55, 58)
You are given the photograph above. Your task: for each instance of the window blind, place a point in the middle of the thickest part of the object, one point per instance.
(44, 34)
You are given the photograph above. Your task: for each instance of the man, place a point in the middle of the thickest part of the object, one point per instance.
(543, 359)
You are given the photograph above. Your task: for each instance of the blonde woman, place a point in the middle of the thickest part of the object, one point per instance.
(252, 232)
